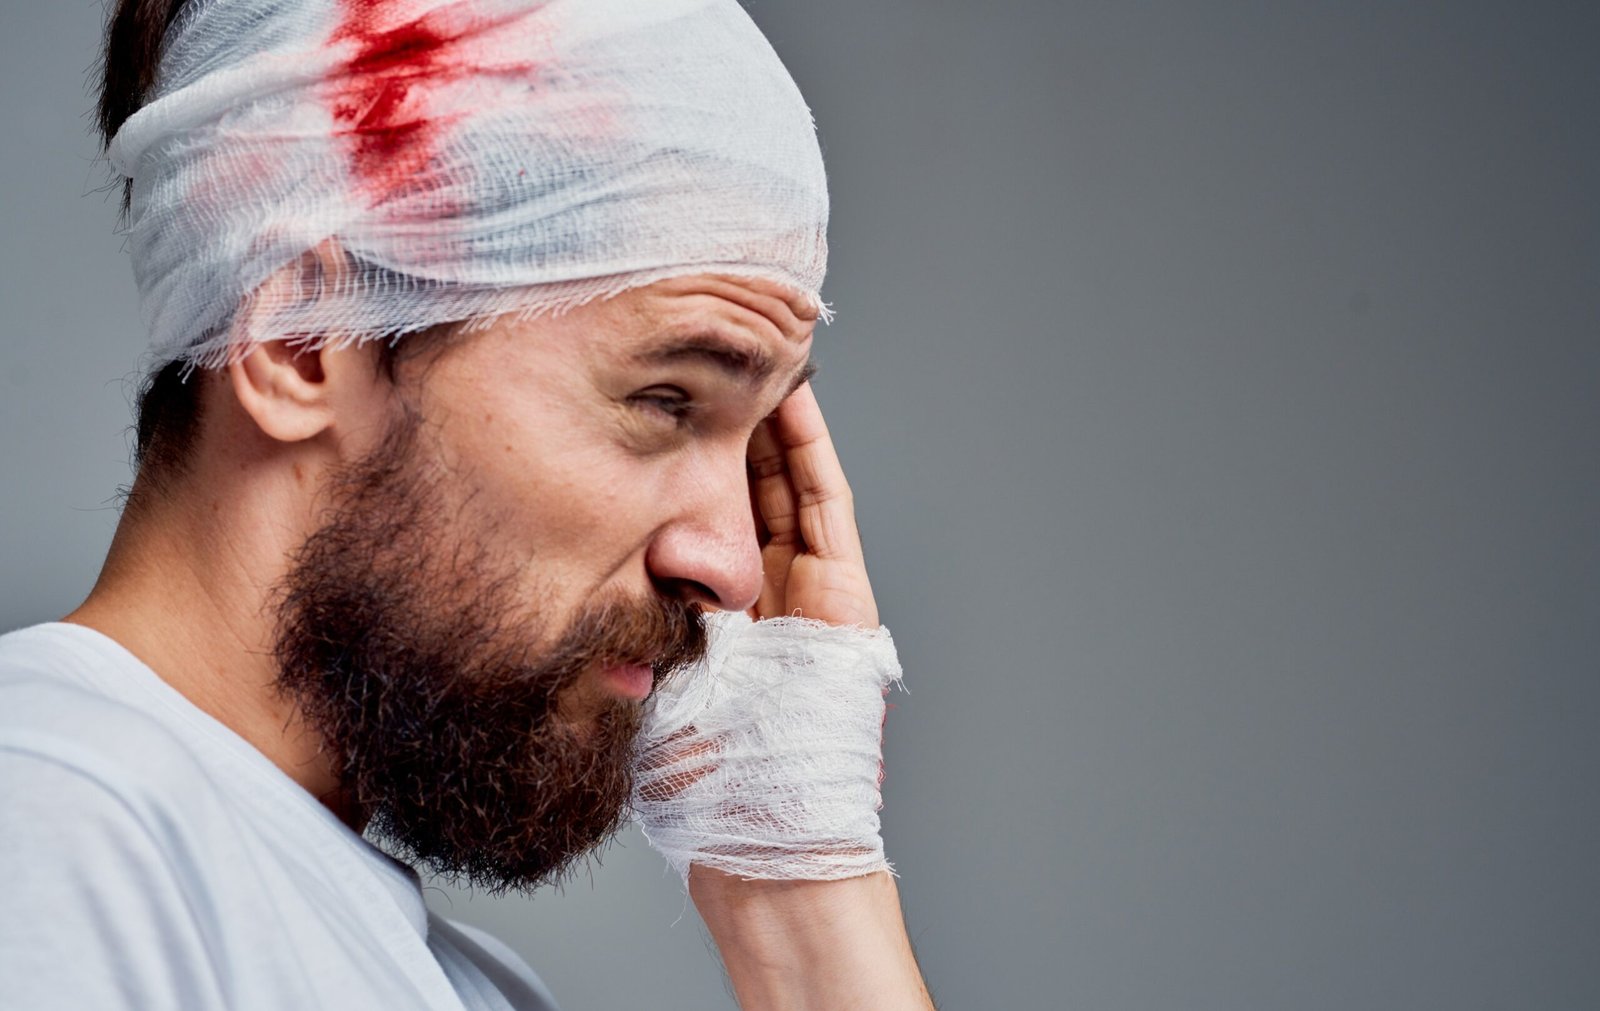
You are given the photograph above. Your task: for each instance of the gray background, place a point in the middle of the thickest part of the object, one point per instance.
(1220, 386)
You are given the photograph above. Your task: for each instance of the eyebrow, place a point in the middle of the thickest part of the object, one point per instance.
(751, 365)
(806, 372)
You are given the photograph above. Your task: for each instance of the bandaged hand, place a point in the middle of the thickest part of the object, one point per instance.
(765, 760)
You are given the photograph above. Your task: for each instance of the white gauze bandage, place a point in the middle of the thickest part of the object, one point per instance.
(765, 760)
(471, 158)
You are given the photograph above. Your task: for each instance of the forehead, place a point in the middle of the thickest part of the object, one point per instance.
(753, 327)
(755, 334)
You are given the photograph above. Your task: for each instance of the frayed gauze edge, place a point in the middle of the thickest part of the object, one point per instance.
(471, 159)
(765, 760)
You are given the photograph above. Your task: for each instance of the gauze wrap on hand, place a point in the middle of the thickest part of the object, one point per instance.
(765, 760)
(469, 157)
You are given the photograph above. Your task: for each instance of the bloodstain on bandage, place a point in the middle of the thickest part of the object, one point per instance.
(393, 100)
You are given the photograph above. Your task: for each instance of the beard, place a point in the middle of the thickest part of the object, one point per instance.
(455, 735)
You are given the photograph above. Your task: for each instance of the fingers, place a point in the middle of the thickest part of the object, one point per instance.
(817, 486)
(805, 510)
(777, 508)
(777, 520)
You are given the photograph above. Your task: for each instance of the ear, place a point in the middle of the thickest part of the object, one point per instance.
(291, 391)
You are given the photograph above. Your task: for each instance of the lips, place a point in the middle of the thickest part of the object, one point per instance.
(631, 681)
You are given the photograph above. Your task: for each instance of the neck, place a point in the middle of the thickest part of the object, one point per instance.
(187, 588)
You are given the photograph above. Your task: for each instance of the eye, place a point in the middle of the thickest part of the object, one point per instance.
(672, 401)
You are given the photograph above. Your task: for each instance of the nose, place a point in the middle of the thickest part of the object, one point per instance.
(707, 552)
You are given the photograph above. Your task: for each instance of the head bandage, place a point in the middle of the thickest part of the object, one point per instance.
(469, 157)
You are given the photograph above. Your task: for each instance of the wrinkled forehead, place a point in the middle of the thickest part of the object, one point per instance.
(751, 330)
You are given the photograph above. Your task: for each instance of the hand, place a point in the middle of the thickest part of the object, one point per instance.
(812, 562)
(787, 944)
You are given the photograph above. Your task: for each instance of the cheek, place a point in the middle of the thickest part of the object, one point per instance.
(544, 464)
(559, 495)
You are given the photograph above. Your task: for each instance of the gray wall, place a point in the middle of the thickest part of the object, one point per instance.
(1220, 385)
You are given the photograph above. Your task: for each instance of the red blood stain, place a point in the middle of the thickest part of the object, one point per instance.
(385, 96)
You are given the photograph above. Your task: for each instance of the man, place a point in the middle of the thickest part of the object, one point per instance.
(478, 417)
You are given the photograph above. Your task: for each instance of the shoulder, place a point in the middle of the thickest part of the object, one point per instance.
(83, 773)
(98, 855)
(55, 711)
(99, 772)
(99, 907)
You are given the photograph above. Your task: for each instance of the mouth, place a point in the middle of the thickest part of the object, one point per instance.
(631, 681)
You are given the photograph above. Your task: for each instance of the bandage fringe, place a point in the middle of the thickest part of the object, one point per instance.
(469, 158)
(765, 760)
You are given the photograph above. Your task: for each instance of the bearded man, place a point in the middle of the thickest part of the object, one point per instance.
(481, 496)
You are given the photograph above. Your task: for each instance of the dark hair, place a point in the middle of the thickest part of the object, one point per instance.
(135, 35)
(168, 410)
(170, 402)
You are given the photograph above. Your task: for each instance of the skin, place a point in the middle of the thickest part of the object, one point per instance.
(605, 458)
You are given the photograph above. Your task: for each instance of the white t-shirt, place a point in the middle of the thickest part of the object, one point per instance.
(150, 858)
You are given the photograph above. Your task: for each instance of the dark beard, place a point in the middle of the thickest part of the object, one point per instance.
(419, 667)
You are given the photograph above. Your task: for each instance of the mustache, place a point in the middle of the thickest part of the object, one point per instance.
(663, 633)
